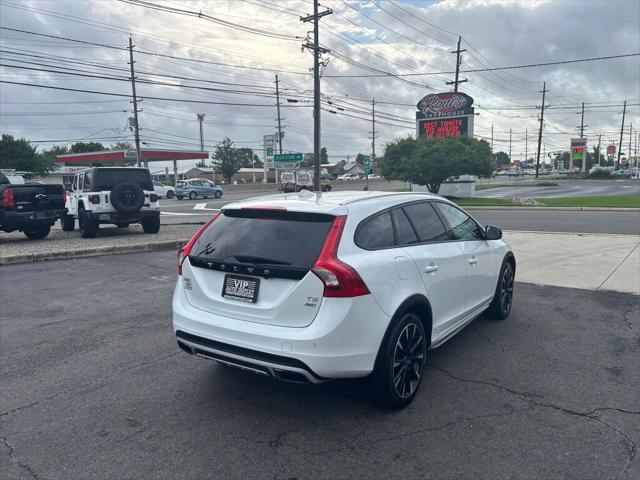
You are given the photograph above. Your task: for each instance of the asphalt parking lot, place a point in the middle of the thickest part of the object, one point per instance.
(93, 386)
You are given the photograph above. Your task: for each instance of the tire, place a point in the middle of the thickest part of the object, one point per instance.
(180, 197)
(68, 223)
(37, 231)
(151, 224)
(122, 225)
(218, 194)
(127, 197)
(503, 298)
(88, 226)
(170, 194)
(205, 196)
(398, 371)
(193, 195)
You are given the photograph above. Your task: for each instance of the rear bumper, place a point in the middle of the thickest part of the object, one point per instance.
(117, 217)
(13, 220)
(342, 341)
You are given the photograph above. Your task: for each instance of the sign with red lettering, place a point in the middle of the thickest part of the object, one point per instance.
(611, 150)
(442, 128)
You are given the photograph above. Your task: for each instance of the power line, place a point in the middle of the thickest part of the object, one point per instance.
(512, 67)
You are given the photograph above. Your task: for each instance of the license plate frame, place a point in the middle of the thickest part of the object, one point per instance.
(240, 288)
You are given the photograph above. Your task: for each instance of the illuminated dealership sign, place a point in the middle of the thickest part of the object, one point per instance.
(443, 115)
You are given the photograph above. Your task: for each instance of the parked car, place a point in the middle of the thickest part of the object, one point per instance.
(349, 177)
(30, 208)
(502, 173)
(352, 284)
(163, 191)
(373, 177)
(197, 187)
(117, 195)
(620, 174)
(291, 187)
(327, 176)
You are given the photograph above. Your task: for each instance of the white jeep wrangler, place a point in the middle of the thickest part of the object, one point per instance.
(118, 195)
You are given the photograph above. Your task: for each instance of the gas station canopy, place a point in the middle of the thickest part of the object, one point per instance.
(120, 156)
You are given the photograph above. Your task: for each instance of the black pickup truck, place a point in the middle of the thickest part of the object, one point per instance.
(32, 209)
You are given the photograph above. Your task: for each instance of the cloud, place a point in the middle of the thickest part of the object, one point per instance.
(398, 37)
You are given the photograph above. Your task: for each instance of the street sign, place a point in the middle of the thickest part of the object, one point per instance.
(287, 157)
(367, 164)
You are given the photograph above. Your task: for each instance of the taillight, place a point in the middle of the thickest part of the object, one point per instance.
(95, 199)
(7, 198)
(340, 279)
(153, 197)
(185, 251)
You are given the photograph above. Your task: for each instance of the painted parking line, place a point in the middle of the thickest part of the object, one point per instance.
(178, 213)
(203, 206)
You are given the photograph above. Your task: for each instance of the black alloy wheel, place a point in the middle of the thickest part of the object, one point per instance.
(503, 298)
(408, 360)
(170, 194)
(400, 364)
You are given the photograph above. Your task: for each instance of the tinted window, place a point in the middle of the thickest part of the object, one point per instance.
(426, 222)
(376, 232)
(462, 225)
(404, 231)
(107, 179)
(3, 179)
(282, 239)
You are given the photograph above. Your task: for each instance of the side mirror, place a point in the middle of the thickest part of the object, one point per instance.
(492, 233)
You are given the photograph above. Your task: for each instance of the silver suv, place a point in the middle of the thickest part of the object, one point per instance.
(197, 187)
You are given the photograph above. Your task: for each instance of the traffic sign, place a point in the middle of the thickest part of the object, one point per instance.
(287, 165)
(367, 164)
(288, 157)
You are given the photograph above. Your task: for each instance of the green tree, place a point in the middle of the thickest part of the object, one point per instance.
(395, 162)
(247, 158)
(121, 146)
(85, 147)
(430, 161)
(225, 159)
(324, 158)
(47, 159)
(19, 154)
(502, 158)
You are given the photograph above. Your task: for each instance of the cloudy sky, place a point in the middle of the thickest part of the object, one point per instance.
(224, 63)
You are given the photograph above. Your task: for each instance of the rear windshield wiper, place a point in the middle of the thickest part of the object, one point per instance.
(258, 260)
(207, 250)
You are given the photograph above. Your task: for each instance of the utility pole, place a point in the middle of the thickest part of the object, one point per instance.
(492, 138)
(509, 145)
(629, 151)
(544, 91)
(599, 141)
(624, 111)
(200, 120)
(373, 136)
(526, 146)
(458, 62)
(581, 128)
(278, 108)
(135, 107)
(317, 50)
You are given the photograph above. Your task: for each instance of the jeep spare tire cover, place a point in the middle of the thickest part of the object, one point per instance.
(127, 197)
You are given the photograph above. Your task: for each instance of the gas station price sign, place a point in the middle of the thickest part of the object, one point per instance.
(443, 127)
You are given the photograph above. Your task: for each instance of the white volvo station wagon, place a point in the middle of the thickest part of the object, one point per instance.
(309, 287)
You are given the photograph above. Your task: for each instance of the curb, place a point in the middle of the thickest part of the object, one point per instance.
(553, 209)
(93, 252)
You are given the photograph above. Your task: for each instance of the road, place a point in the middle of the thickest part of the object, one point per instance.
(565, 188)
(188, 211)
(94, 386)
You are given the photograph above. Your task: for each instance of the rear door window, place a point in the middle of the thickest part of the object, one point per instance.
(278, 240)
(376, 232)
(404, 231)
(426, 222)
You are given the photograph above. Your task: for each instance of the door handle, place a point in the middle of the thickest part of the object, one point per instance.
(431, 268)
(473, 261)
